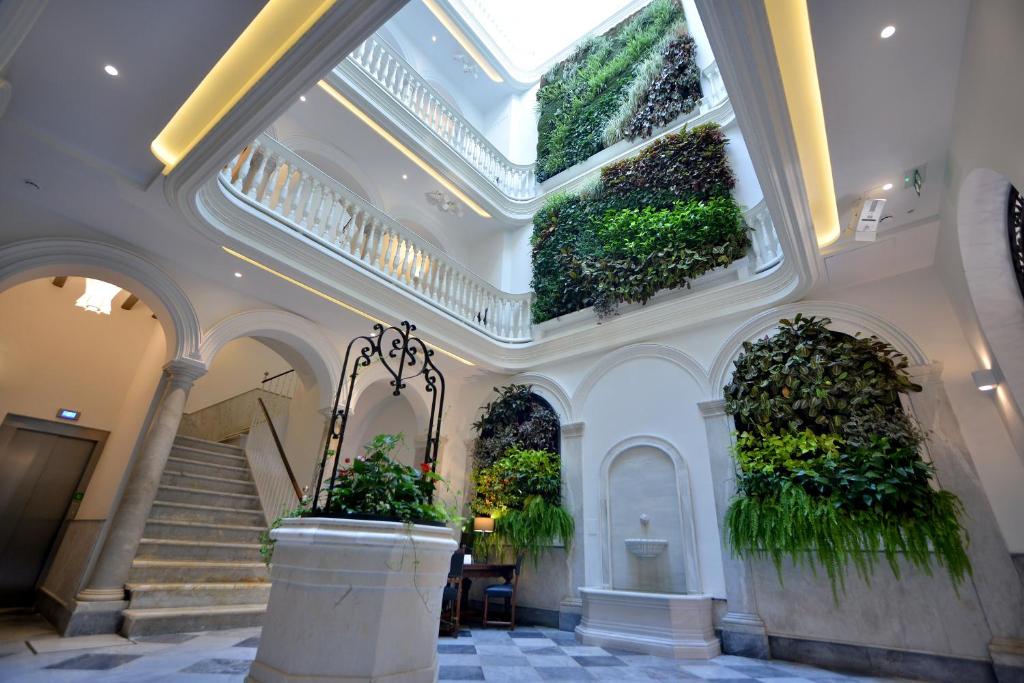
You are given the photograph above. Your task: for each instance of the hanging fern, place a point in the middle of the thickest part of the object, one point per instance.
(829, 471)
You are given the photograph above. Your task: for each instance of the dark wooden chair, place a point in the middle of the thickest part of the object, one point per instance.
(451, 599)
(507, 592)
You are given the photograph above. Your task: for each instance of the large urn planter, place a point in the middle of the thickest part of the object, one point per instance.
(353, 601)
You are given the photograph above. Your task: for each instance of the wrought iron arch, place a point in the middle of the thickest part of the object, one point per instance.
(1015, 230)
(405, 358)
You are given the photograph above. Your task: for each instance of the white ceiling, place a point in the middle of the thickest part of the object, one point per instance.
(888, 102)
(162, 50)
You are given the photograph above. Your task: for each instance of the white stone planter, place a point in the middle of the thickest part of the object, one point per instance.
(666, 624)
(353, 601)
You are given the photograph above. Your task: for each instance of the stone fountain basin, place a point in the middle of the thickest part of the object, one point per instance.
(646, 547)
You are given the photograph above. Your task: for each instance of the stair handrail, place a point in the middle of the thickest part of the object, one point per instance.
(280, 446)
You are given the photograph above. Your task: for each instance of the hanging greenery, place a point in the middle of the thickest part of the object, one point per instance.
(829, 471)
(516, 419)
(607, 83)
(653, 222)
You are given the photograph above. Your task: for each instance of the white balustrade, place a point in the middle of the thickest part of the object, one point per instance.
(273, 178)
(764, 242)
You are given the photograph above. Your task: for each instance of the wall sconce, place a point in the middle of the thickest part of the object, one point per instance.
(986, 380)
(483, 525)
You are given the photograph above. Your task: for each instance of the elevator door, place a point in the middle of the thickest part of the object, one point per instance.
(39, 475)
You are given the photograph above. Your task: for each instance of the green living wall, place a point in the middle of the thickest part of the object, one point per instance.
(639, 76)
(652, 222)
(829, 470)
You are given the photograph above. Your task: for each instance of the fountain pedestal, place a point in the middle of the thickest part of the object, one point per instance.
(665, 624)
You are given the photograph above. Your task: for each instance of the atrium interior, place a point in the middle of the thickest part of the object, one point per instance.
(419, 340)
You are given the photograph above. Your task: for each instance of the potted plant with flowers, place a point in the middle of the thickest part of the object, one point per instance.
(356, 592)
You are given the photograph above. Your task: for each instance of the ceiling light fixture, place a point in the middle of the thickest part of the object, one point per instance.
(405, 176)
(888, 31)
(238, 275)
(111, 70)
(412, 156)
(302, 98)
(433, 39)
(98, 296)
(333, 300)
(887, 187)
(462, 39)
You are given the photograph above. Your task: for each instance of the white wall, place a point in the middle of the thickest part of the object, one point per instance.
(237, 368)
(54, 355)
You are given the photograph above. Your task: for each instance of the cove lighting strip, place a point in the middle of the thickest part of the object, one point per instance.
(791, 33)
(333, 300)
(393, 141)
(463, 40)
(273, 31)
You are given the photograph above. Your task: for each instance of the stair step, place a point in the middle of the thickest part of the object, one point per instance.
(170, 549)
(202, 531)
(213, 457)
(157, 620)
(189, 466)
(197, 571)
(210, 514)
(203, 444)
(150, 595)
(200, 496)
(172, 477)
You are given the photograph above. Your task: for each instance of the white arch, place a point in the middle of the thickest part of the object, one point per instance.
(845, 318)
(633, 352)
(551, 391)
(299, 341)
(34, 259)
(374, 387)
(694, 582)
(991, 282)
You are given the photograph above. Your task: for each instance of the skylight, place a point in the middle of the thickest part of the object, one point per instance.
(529, 35)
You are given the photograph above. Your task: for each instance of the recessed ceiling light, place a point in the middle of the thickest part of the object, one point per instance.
(887, 187)
(238, 275)
(433, 39)
(888, 31)
(405, 176)
(302, 98)
(111, 70)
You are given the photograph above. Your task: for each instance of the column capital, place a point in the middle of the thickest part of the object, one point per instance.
(573, 430)
(925, 373)
(184, 371)
(712, 408)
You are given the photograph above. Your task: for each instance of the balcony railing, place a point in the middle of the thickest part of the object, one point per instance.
(276, 180)
(403, 85)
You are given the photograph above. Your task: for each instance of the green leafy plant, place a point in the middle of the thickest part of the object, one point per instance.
(534, 527)
(516, 419)
(579, 95)
(828, 466)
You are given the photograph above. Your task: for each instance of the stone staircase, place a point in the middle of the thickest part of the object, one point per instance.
(198, 565)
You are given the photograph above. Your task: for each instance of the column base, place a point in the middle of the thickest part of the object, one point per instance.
(1007, 659)
(94, 617)
(100, 595)
(744, 635)
(570, 611)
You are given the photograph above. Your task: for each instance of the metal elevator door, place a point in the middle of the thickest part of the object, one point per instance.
(39, 474)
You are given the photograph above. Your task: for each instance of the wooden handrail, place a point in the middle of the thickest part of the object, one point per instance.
(280, 450)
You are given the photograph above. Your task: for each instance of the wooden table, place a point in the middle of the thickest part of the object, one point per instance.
(482, 571)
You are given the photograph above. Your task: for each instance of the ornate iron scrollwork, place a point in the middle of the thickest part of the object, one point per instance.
(405, 358)
(1015, 229)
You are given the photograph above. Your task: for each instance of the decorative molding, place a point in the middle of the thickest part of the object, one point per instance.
(635, 352)
(33, 259)
(551, 391)
(845, 318)
(303, 336)
(183, 372)
(687, 510)
(712, 408)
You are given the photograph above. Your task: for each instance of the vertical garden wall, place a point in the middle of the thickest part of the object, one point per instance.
(652, 222)
(638, 76)
(829, 469)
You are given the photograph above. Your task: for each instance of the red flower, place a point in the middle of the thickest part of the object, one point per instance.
(425, 467)
(347, 460)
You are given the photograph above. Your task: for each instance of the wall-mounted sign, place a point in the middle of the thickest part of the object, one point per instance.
(68, 414)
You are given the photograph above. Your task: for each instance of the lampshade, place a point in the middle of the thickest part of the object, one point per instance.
(98, 296)
(484, 525)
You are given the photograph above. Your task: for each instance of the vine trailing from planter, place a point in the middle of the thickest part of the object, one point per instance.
(829, 471)
(638, 76)
(652, 222)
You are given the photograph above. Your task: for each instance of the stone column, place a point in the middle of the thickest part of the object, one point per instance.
(743, 632)
(106, 585)
(995, 578)
(572, 498)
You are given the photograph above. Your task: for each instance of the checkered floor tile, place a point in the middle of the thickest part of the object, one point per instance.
(520, 656)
